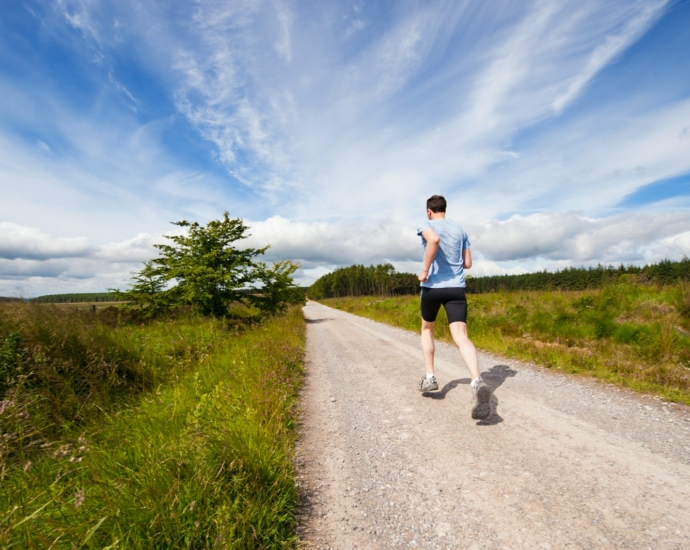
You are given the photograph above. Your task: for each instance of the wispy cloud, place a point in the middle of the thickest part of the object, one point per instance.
(223, 92)
(304, 112)
(589, 163)
(641, 17)
(79, 14)
(285, 17)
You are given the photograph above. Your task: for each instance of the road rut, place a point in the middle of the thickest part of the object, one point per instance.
(562, 462)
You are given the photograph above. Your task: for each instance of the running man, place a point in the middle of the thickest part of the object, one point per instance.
(446, 256)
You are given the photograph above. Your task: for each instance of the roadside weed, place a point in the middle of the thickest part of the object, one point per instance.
(199, 456)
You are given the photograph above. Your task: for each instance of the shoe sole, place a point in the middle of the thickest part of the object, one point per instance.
(482, 409)
(428, 389)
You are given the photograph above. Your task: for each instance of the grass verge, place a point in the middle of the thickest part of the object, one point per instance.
(637, 336)
(200, 456)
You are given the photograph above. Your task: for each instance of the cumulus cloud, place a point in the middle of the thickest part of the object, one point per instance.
(18, 241)
(675, 246)
(31, 255)
(548, 240)
(579, 239)
(135, 250)
(551, 239)
(338, 243)
(19, 268)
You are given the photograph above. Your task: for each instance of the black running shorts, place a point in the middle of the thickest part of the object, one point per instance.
(453, 299)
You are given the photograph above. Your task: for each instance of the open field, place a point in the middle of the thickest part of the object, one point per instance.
(85, 305)
(176, 433)
(637, 336)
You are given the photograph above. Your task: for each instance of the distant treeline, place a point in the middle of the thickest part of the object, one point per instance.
(78, 297)
(10, 299)
(357, 280)
(665, 272)
(383, 280)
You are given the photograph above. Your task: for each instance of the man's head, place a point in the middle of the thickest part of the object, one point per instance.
(436, 204)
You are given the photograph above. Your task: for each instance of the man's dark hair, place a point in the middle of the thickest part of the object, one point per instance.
(437, 203)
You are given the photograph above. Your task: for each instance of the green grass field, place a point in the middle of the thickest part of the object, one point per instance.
(172, 434)
(637, 336)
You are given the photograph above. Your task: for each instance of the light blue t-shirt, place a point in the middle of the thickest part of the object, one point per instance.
(447, 271)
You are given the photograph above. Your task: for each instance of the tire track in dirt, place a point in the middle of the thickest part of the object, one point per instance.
(562, 462)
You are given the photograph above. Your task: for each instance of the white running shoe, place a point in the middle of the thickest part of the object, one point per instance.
(428, 384)
(481, 397)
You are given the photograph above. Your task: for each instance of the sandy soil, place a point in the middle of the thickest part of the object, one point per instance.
(562, 462)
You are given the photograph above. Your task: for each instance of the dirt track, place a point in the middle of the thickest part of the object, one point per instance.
(562, 462)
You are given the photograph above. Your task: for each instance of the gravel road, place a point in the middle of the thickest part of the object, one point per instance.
(562, 462)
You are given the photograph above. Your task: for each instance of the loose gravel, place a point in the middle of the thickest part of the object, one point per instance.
(562, 462)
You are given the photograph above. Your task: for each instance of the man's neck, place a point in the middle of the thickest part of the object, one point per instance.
(437, 215)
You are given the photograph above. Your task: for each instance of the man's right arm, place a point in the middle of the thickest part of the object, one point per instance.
(432, 241)
(466, 258)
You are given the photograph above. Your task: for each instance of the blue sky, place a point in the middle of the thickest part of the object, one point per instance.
(559, 131)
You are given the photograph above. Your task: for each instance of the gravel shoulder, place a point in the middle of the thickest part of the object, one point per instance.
(562, 462)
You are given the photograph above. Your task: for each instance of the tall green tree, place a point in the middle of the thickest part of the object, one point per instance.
(203, 268)
(208, 268)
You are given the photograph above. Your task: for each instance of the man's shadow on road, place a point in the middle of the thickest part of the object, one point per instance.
(494, 377)
(317, 320)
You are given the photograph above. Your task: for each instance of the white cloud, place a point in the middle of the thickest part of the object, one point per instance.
(135, 250)
(30, 243)
(487, 268)
(395, 153)
(43, 146)
(339, 243)
(549, 240)
(589, 164)
(224, 90)
(107, 180)
(578, 239)
(19, 268)
(314, 118)
(675, 246)
(283, 44)
(28, 253)
(642, 15)
(78, 13)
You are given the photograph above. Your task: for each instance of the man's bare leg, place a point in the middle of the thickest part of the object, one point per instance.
(481, 393)
(467, 350)
(428, 347)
